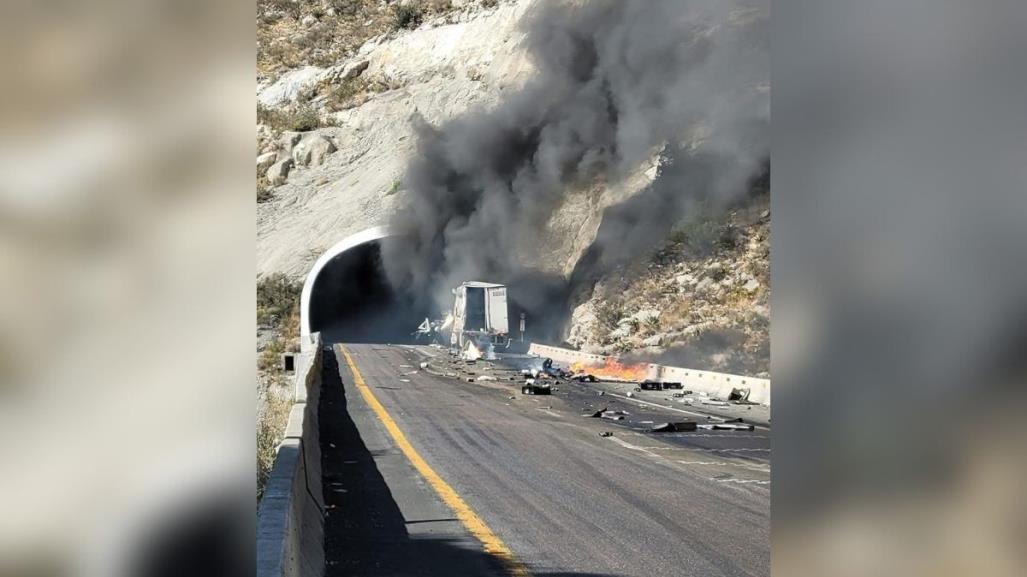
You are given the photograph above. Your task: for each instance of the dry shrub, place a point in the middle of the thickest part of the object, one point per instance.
(270, 432)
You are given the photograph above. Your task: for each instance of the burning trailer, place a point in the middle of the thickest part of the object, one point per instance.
(480, 317)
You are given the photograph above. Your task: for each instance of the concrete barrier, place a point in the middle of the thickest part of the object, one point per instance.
(290, 520)
(712, 383)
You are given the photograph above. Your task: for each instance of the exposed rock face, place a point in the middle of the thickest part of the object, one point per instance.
(279, 172)
(290, 87)
(441, 72)
(313, 150)
(705, 311)
(264, 161)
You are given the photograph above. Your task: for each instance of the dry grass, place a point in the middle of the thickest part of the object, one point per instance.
(278, 309)
(270, 431)
(340, 28)
(300, 118)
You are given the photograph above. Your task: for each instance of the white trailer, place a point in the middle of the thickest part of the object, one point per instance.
(480, 315)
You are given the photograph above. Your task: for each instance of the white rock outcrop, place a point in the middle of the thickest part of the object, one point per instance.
(313, 150)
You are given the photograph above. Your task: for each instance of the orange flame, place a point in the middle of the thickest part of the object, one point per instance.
(613, 370)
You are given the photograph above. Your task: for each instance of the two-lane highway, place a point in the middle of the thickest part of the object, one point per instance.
(421, 470)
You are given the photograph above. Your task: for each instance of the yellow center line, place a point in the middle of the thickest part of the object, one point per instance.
(491, 543)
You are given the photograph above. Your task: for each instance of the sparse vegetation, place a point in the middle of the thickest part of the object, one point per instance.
(264, 193)
(301, 118)
(407, 16)
(396, 187)
(278, 312)
(699, 234)
(270, 429)
(710, 283)
(277, 297)
(351, 92)
(284, 43)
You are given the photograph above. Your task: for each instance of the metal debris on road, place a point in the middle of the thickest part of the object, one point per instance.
(674, 427)
(727, 427)
(601, 393)
(651, 385)
(486, 378)
(738, 395)
(606, 434)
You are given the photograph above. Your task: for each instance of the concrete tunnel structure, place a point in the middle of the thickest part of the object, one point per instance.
(347, 297)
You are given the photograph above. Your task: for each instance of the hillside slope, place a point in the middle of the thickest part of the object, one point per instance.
(339, 85)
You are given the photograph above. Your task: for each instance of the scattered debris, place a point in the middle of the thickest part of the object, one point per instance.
(601, 393)
(511, 397)
(674, 427)
(606, 434)
(714, 403)
(738, 395)
(585, 378)
(651, 385)
(486, 378)
(630, 394)
(727, 427)
(532, 387)
(404, 380)
(424, 365)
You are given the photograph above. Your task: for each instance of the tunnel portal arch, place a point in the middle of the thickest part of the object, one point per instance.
(360, 241)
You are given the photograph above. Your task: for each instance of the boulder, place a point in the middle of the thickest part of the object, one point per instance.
(279, 172)
(751, 286)
(308, 21)
(286, 142)
(685, 279)
(353, 69)
(264, 161)
(313, 150)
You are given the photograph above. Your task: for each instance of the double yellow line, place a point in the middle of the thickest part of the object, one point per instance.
(491, 543)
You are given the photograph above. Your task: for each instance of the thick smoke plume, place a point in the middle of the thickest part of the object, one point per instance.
(617, 82)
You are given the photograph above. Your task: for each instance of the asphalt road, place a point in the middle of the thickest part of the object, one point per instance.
(563, 499)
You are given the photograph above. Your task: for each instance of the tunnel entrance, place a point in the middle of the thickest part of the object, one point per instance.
(347, 297)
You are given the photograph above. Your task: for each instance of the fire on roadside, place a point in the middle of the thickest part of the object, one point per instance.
(612, 369)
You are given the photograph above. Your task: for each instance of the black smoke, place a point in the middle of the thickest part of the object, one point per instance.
(617, 82)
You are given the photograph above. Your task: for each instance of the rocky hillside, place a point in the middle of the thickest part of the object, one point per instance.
(701, 300)
(338, 83)
(334, 132)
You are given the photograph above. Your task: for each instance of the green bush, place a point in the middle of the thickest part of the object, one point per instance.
(699, 234)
